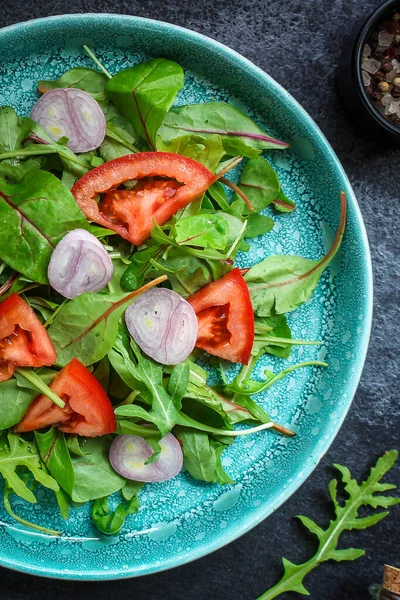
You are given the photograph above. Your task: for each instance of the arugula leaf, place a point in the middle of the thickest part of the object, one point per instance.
(346, 519)
(144, 94)
(19, 453)
(54, 453)
(239, 134)
(81, 78)
(16, 396)
(86, 328)
(141, 263)
(202, 458)
(94, 476)
(109, 522)
(259, 182)
(178, 382)
(34, 215)
(206, 150)
(284, 283)
(267, 329)
(8, 492)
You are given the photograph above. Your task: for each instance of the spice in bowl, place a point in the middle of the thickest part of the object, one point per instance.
(380, 67)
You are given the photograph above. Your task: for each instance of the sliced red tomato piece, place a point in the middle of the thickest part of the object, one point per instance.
(131, 212)
(226, 319)
(88, 410)
(24, 342)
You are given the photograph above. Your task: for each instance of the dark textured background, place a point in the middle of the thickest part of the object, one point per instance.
(299, 43)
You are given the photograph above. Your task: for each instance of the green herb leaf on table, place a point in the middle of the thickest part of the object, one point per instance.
(34, 215)
(284, 283)
(346, 519)
(238, 133)
(144, 94)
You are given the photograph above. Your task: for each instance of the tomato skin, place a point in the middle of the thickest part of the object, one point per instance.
(226, 319)
(88, 410)
(24, 342)
(195, 178)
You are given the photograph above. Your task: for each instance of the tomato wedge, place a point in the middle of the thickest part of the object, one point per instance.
(24, 342)
(226, 318)
(88, 410)
(132, 213)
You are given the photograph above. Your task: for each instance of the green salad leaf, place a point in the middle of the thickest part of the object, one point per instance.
(144, 94)
(34, 215)
(18, 453)
(206, 150)
(81, 78)
(202, 457)
(346, 518)
(283, 283)
(238, 133)
(55, 455)
(259, 182)
(13, 130)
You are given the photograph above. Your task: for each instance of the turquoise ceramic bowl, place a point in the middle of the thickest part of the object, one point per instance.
(182, 519)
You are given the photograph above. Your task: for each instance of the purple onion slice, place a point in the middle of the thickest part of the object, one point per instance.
(164, 325)
(128, 453)
(79, 264)
(71, 113)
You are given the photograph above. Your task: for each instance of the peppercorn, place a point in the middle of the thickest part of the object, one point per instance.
(396, 82)
(383, 86)
(377, 95)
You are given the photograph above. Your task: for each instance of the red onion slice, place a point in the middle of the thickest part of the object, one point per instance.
(74, 114)
(128, 453)
(164, 325)
(79, 264)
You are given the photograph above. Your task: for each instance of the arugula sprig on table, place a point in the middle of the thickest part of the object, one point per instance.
(365, 494)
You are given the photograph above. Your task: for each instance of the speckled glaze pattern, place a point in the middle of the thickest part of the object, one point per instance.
(182, 519)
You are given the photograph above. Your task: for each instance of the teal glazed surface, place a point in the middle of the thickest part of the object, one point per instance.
(181, 520)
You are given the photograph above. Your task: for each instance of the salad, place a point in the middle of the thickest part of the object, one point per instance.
(119, 228)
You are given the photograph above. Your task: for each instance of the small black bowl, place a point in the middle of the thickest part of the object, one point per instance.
(350, 84)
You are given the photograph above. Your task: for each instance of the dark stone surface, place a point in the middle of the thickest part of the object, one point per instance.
(299, 43)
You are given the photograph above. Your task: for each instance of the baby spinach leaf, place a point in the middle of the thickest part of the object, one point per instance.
(19, 453)
(144, 94)
(284, 283)
(34, 215)
(268, 331)
(16, 396)
(259, 182)
(282, 203)
(86, 328)
(238, 133)
(81, 78)
(258, 225)
(204, 231)
(54, 453)
(201, 457)
(94, 476)
(206, 150)
(13, 130)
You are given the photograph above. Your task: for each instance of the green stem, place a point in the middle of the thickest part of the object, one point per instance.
(39, 149)
(246, 370)
(55, 313)
(281, 375)
(96, 61)
(34, 378)
(279, 340)
(7, 506)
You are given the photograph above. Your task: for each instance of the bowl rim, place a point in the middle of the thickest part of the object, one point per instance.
(368, 26)
(259, 514)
